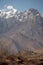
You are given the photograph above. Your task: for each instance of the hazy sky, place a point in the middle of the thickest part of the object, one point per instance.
(23, 5)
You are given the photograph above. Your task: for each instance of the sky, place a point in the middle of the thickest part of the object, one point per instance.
(23, 5)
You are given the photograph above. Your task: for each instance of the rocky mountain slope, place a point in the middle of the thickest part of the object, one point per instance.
(21, 30)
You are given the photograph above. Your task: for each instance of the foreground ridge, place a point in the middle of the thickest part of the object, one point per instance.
(21, 58)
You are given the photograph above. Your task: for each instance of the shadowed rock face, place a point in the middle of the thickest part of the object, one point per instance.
(22, 32)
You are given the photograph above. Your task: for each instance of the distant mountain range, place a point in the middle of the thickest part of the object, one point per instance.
(21, 30)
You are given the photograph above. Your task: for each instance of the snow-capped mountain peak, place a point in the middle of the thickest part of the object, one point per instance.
(8, 12)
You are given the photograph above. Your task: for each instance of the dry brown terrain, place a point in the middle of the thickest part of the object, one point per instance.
(21, 58)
